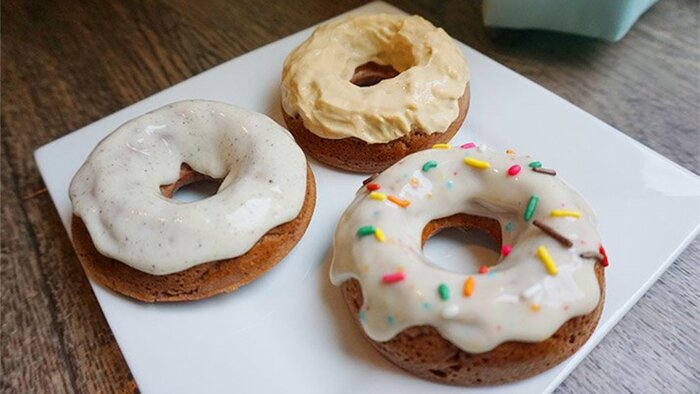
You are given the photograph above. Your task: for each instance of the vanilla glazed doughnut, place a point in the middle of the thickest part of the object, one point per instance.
(366, 90)
(531, 310)
(133, 238)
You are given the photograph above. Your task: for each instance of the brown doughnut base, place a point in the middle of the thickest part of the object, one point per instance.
(354, 154)
(203, 280)
(422, 351)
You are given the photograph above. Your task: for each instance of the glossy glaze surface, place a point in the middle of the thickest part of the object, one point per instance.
(424, 96)
(117, 191)
(536, 286)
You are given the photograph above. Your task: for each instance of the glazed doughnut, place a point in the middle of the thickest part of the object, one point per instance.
(366, 90)
(531, 310)
(130, 235)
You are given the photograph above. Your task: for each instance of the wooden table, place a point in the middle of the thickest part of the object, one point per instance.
(67, 64)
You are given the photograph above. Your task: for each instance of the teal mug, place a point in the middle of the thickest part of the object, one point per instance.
(606, 19)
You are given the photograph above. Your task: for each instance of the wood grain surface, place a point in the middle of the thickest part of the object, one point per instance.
(68, 63)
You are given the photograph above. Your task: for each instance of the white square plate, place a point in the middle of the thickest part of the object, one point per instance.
(290, 330)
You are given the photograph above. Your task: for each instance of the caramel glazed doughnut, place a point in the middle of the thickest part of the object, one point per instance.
(132, 238)
(531, 310)
(364, 91)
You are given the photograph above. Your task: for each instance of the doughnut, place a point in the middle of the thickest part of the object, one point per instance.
(507, 321)
(366, 90)
(132, 238)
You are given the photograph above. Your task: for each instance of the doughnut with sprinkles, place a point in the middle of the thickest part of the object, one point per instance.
(513, 319)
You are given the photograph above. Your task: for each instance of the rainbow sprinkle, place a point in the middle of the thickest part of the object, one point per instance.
(566, 242)
(414, 182)
(531, 206)
(547, 260)
(449, 184)
(370, 178)
(441, 146)
(379, 235)
(510, 151)
(506, 249)
(535, 164)
(484, 269)
(444, 292)
(365, 230)
(535, 307)
(468, 145)
(514, 170)
(373, 186)
(562, 213)
(394, 277)
(510, 227)
(547, 171)
(476, 163)
(428, 165)
(390, 320)
(532, 291)
(450, 311)
(592, 255)
(399, 202)
(469, 286)
(602, 251)
(377, 196)
(369, 230)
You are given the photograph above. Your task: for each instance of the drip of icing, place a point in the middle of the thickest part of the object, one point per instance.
(522, 298)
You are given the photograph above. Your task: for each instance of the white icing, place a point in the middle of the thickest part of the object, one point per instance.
(517, 300)
(117, 191)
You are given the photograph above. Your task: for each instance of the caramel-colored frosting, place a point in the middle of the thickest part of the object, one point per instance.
(525, 297)
(423, 97)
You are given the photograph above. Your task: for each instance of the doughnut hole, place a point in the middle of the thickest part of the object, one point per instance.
(190, 186)
(390, 58)
(371, 73)
(462, 243)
